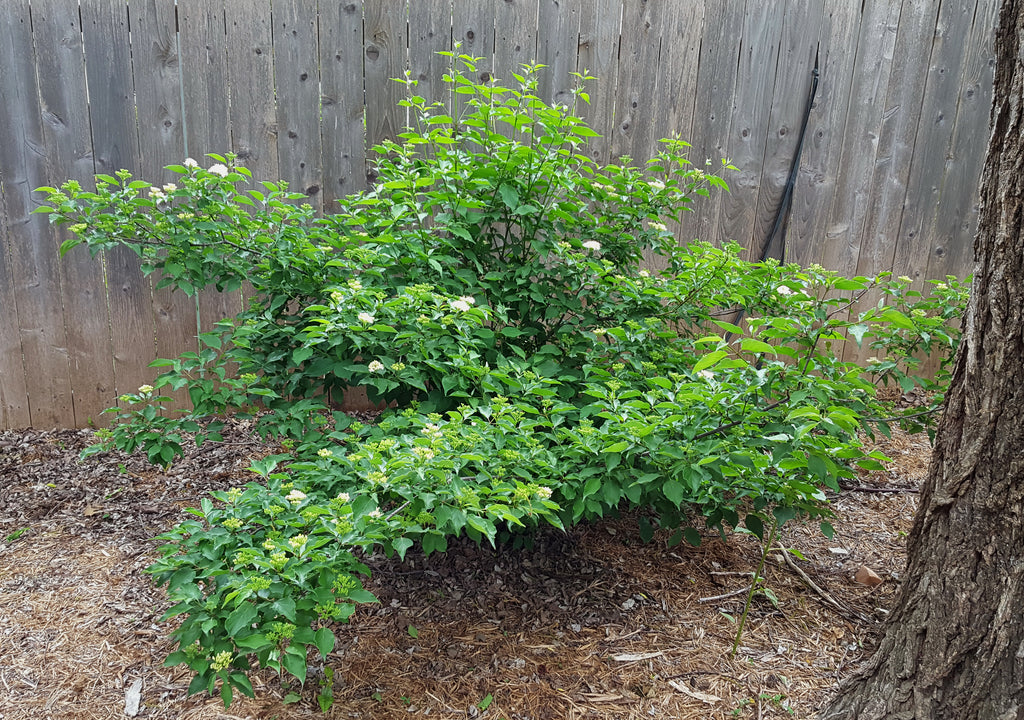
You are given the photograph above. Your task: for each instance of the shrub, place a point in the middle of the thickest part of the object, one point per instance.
(489, 291)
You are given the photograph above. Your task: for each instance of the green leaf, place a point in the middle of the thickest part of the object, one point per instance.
(674, 491)
(827, 530)
(324, 641)
(755, 525)
(241, 618)
(756, 346)
(240, 681)
(692, 536)
(294, 663)
(413, 632)
(709, 360)
(226, 694)
(301, 355)
(509, 195)
(486, 702)
(617, 447)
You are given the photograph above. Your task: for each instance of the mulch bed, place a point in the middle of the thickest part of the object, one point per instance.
(592, 623)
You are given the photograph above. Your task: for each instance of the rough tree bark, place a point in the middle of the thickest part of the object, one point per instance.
(954, 646)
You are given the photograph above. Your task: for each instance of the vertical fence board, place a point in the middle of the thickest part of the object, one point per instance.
(747, 138)
(853, 199)
(473, 28)
(384, 45)
(799, 43)
(515, 38)
(956, 217)
(600, 23)
(558, 40)
(683, 24)
(897, 134)
(33, 249)
(14, 412)
(16, 180)
(297, 79)
(63, 98)
(205, 96)
(155, 68)
(826, 134)
(341, 116)
(716, 90)
(636, 89)
(115, 143)
(430, 32)
(250, 51)
(934, 137)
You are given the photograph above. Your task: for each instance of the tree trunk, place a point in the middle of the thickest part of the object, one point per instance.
(954, 646)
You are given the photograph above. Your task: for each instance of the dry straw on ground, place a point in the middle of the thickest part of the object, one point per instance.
(588, 624)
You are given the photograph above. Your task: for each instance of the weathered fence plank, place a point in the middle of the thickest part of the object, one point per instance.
(716, 90)
(33, 249)
(67, 138)
(115, 143)
(254, 124)
(202, 41)
(384, 43)
(473, 30)
(600, 23)
(748, 124)
(956, 214)
(637, 82)
(430, 32)
(515, 37)
(826, 135)
(798, 49)
(161, 130)
(558, 33)
(297, 76)
(341, 113)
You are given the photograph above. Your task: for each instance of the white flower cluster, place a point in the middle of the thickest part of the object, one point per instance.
(367, 318)
(295, 497)
(592, 245)
(375, 366)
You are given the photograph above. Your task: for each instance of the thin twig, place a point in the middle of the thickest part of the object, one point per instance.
(829, 600)
(726, 595)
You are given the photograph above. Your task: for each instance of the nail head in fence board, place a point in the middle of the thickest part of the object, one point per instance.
(33, 250)
(637, 81)
(430, 32)
(515, 41)
(342, 112)
(806, 234)
(384, 46)
(204, 77)
(716, 90)
(297, 76)
(157, 77)
(115, 143)
(957, 209)
(63, 97)
(600, 23)
(473, 27)
(854, 198)
(800, 29)
(557, 47)
(254, 127)
(748, 123)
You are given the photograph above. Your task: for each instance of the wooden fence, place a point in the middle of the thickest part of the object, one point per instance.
(300, 88)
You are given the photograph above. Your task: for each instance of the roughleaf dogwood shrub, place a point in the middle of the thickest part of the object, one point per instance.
(489, 292)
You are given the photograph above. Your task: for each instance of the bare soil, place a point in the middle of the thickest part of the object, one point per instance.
(592, 623)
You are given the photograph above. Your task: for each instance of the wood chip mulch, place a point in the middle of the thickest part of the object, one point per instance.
(587, 624)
